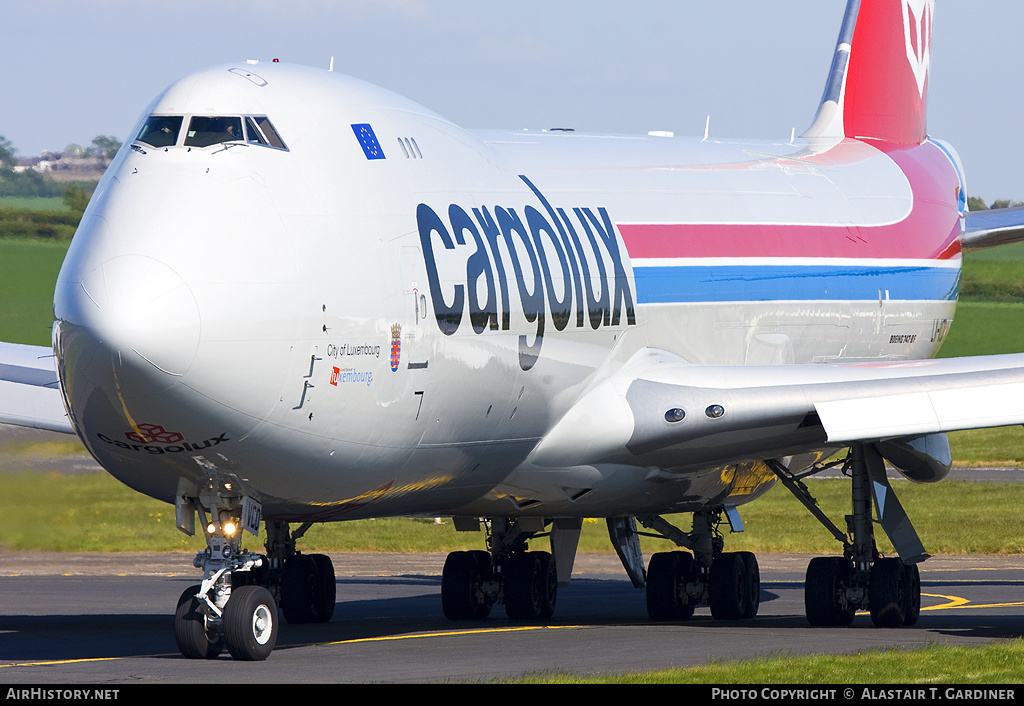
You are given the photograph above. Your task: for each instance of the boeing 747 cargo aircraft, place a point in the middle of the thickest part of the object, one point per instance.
(296, 298)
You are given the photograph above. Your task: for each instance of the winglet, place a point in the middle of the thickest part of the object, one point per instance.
(878, 84)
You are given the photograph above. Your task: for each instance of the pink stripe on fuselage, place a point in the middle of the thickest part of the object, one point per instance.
(931, 230)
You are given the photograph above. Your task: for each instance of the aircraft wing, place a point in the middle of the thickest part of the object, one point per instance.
(998, 226)
(29, 392)
(659, 411)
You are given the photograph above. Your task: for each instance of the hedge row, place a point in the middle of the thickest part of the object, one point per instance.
(48, 225)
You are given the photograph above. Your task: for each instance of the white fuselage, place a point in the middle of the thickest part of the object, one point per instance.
(388, 314)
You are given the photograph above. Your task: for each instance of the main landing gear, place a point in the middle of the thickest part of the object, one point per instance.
(526, 582)
(838, 586)
(236, 605)
(677, 582)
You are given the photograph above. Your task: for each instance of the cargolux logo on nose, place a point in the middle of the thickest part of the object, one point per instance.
(146, 438)
(153, 433)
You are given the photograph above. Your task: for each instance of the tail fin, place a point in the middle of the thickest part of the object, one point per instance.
(878, 84)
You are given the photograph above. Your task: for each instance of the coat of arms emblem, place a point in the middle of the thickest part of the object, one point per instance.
(396, 346)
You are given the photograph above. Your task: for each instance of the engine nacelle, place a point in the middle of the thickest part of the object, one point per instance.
(922, 459)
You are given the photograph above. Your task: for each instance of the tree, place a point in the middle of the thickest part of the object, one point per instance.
(76, 198)
(976, 203)
(1006, 203)
(7, 152)
(105, 146)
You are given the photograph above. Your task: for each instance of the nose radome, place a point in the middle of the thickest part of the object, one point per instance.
(139, 306)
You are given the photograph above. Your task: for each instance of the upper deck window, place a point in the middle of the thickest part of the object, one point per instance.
(205, 131)
(160, 130)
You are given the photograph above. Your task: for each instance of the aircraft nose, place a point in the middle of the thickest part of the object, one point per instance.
(139, 307)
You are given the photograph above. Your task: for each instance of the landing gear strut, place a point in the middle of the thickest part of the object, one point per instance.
(217, 613)
(838, 586)
(236, 605)
(525, 581)
(305, 583)
(679, 581)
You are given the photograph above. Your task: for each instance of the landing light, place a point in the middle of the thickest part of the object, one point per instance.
(675, 415)
(229, 528)
(715, 411)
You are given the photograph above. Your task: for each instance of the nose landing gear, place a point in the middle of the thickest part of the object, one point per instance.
(223, 611)
(250, 624)
(236, 604)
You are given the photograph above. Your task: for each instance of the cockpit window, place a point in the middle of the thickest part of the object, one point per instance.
(269, 133)
(160, 130)
(205, 131)
(253, 133)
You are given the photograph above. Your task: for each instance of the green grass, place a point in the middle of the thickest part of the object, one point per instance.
(933, 666)
(992, 280)
(94, 512)
(951, 517)
(28, 273)
(998, 447)
(91, 512)
(38, 225)
(34, 203)
(60, 445)
(1014, 251)
(985, 328)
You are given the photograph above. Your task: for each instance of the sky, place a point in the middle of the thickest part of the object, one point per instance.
(75, 69)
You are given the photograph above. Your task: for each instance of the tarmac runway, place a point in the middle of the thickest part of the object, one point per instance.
(89, 619)
(96, 618)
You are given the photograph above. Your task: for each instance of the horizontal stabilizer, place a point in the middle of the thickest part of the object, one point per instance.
(29, 391)
(987, 229)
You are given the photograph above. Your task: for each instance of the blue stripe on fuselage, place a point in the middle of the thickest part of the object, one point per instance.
(723, 283)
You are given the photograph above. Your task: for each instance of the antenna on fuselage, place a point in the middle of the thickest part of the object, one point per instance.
(707, 125)
(331, 67)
